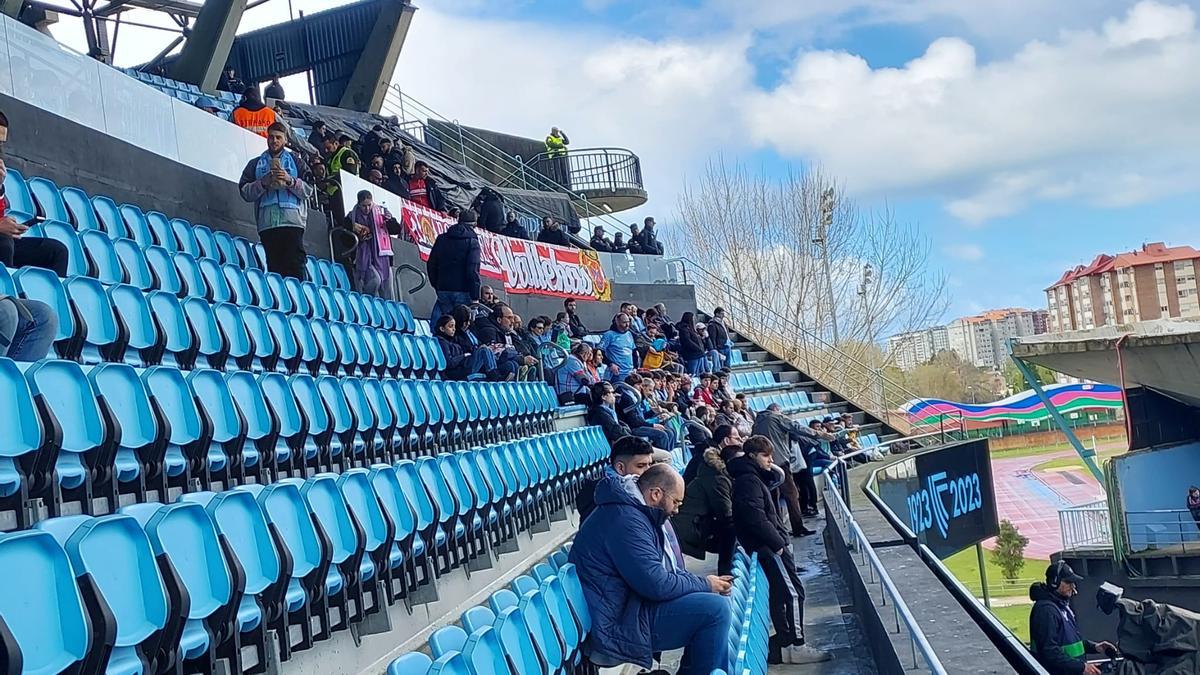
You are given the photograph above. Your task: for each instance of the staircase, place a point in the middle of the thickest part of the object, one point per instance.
(775, 340)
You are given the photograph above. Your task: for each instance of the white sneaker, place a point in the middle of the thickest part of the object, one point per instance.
(798, 654)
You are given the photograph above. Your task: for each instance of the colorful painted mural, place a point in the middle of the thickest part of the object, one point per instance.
(1024, 406)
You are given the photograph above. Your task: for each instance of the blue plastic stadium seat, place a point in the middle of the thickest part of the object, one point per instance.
(193, 281)
(25, 446)
(102, 337)
(350, 570)
(63, 232)
(140, 448)
(87, 434)
(223, 456)
(44, 614)
(160, 228)
(164, 270)
(48, 199)
(177, 346)
(80, 209)
(412, 663)
(309, 351)
(185, 236)
(214, 278)
(112, 555)
(142, 340)
(137, 225)
(233, 327)
(109, 218)
(289, 433)
(134, 266)
(408, 548)
(239, 284)
(264, 352)
(287, 347)
(246, 255)
(341, 419)
(378, 563)
(206, 242)
(483, 653)
(174, 398)
(102, 257)
(226, 247)
(20, 202)
(183, 536)
(259, 451)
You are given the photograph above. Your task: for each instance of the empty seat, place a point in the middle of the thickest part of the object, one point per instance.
(20, 202)
(26, 445)
(290, 428)
(166, 274)
(142, 339)
(134, 264)
(287, 348)
(160, 227)
(44, 617)
(109, 217)
(48, 199)
(178, 339)
(185, 236)
(265, 352)
(206, 242)
(136, 225)
(223, 456)
(176, 401)
(259, 451)
(346, 573)
(194, 282)
(237, 339)
(218, 286)
(140, 448)
(226, 247)
(102, 256)
(239, 286)
(102, 338)
(210, 343)
(61, 231)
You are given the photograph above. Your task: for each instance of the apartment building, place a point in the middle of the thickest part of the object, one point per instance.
(1155, 282)
(981, 340)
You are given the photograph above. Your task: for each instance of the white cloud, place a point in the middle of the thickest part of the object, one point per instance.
(1105, 116)
(966, 252)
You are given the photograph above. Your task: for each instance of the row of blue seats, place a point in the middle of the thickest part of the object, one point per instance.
(750, 624)
(789, 402)
(175, 85)
(117, 433)
(755, 381)
(71, 209)
(538, 626)
(166, 587)
(120, 322)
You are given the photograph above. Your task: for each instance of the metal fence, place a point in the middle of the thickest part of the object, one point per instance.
(1167, 530)
(1085, 526)
(873, 573)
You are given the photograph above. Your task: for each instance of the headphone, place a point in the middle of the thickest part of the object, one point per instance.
(1056, 574)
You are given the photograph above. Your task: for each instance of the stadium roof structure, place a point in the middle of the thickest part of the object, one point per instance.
(350, 51)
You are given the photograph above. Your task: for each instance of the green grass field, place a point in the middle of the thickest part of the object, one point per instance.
(1016, 617)
(964, 565)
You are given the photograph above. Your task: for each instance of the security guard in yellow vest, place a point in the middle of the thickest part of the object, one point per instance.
(556, 143)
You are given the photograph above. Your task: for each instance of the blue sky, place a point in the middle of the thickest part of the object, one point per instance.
(1022, 136)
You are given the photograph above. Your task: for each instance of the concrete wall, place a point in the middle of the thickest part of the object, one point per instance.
(42, 144)
(1158, 480)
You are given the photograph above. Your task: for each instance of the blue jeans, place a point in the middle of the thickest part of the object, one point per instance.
(481, 360)
(27, 329)
(699, 622)
(726, 355)
(446, 302)
(714, 357)
(659, 439)
(697, 366)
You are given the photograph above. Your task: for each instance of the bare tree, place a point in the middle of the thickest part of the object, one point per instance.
(760, 234)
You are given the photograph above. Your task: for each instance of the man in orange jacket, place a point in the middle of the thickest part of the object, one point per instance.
(251, 114)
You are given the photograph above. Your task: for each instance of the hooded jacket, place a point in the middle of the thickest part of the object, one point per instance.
(782, 432)
(619, 557)
(1054, 634)
(707, 505)
(489, 204)
(756, 518)
(691, 345)
(453, 263)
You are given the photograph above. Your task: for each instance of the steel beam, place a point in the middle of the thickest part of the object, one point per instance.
(207, 49)
(365, 90)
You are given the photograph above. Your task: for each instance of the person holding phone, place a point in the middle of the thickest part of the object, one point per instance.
(272, 182)
(640, 601)
(760, 528)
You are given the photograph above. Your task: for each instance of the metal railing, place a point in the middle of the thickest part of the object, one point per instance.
(860, 547)
(1164, 530)
(1085, 526)
(863, 384)
(591, 169)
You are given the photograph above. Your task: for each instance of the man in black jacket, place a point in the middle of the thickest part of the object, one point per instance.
(630, 456)
(760, 529)
(574, 324)
(1053, 631)
(719, 334)
(453, 266)
(551, 233)
(496, 330)
(600, 242)
(513, 228)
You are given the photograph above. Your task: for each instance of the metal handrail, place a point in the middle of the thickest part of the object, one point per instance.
(858, 542)
(593, 168)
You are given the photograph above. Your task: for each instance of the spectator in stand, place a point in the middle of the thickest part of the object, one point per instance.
(635, 240)
(600, 242)
(272, 182)
(691, 346)
(723, 436)
(727, 415)
(650, 243)
(712, 357)
(704, 391)
(1193, 503)
(513, 227)
(453, 266)
(461, 365)
(723, 391)
(618, 346)
(603, 413)
(575, 326)
(27, 328)
(396, 181)
(618, 243)
(705, 520)
(488, 299)
(551, 233)
(718, 332)
(573, 381)
(423, 189)
(556, 156)
(629, 458)
(338, 158)
(229, 81)
(391, 154)
(760, 530)
(375, 177)
(252, 115)
(16, 250)
(274, 90)
(208, 105)
(640, 603)
(1055, 639)
(790, 439)
(498, 331)
(374, 227)
(596, 367)
(698, 427)
(490, 205)
(316, 137)
(634, 409)
(369, 143)
(377, 163)
(683, 391)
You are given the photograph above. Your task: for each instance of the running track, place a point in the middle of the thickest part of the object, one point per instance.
(1032, 501)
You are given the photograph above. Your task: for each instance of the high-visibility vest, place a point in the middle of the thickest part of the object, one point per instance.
(555, 147)
(256, 121)
(337, 162)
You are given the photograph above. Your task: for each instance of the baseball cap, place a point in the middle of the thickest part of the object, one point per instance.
(1059, 572)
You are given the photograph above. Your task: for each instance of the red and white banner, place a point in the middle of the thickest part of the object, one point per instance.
(522, 266)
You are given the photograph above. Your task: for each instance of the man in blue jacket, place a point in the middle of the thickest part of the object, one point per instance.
(641, 603)
(272, 182)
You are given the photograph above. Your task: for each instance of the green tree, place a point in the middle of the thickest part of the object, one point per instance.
(1009, 554)
(1016, 381)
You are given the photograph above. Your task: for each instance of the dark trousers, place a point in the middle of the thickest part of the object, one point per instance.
(791, 497)
(34, 252)
(725, 541)
(807, 486)
(786, 593)
(284, 247)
